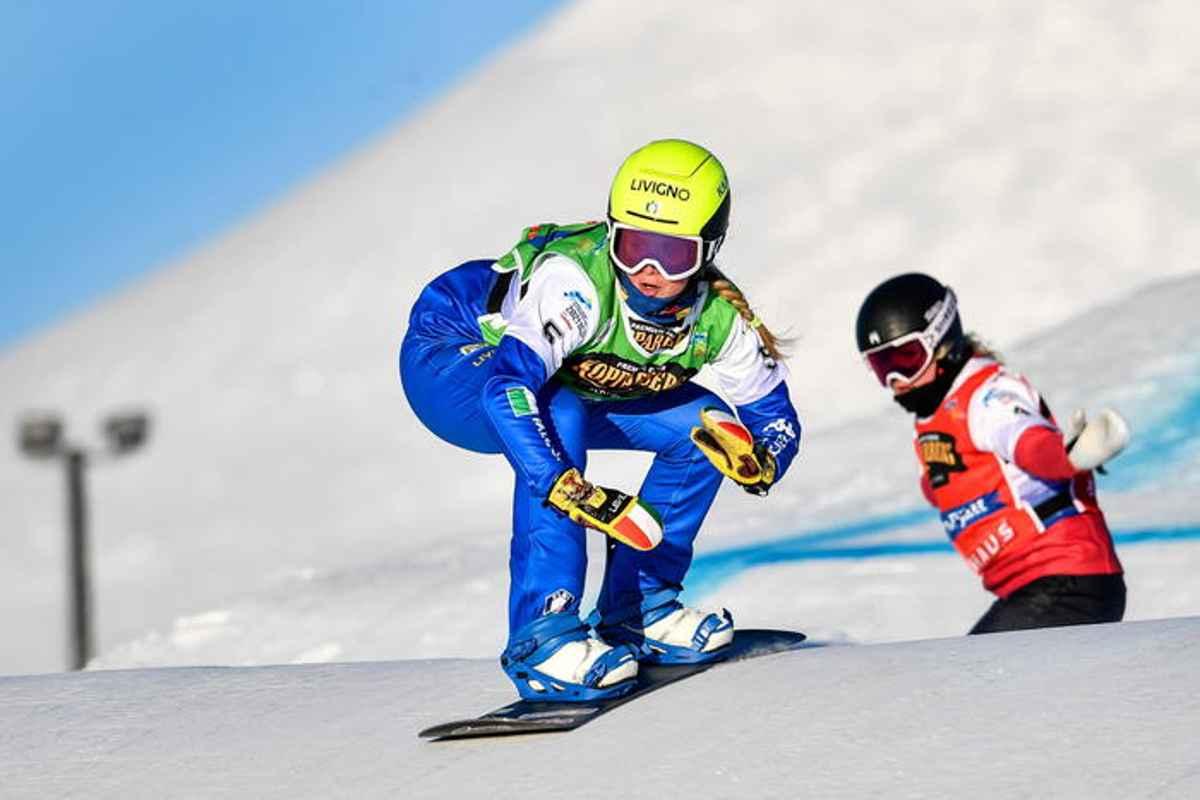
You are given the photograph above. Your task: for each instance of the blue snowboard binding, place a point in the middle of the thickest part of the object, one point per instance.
(540, 656)
(664, 631)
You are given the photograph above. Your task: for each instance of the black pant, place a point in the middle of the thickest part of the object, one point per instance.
(1057, 600)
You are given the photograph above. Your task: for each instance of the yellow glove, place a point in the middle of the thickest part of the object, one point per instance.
(622, 516)
(731, 449)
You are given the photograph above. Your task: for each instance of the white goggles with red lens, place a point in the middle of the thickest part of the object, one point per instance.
(675, 257)
(905, 357)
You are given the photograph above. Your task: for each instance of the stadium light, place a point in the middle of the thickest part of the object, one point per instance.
(126, 432)
(40, 436)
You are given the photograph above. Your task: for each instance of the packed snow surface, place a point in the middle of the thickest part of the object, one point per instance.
(1105, 711)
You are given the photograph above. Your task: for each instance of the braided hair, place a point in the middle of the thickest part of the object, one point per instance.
(724, 287)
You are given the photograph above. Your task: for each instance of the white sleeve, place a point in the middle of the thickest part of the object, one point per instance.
(1001, 409)
(744, 373)
(558, 312)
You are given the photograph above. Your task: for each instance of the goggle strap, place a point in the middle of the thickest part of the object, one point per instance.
(943, 317)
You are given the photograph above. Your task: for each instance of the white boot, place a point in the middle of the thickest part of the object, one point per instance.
(682, 627)
(572, 662)
(673, 634)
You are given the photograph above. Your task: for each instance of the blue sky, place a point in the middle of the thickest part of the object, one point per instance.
(134, 130)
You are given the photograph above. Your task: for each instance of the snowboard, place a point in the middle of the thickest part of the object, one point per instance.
(539, 716)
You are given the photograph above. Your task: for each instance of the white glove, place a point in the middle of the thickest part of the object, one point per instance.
(1075, 425)
(1091, 443)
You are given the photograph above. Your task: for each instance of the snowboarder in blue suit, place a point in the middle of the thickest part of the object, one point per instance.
(586, 337)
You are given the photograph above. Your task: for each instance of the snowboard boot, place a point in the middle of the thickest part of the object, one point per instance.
(671, 633)
(554, 659)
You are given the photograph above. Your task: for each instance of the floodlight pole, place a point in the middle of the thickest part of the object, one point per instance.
(40, 436)
(80, 623)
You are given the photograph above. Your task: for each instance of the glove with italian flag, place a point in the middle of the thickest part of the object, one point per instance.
(615, 514)
(732, 450)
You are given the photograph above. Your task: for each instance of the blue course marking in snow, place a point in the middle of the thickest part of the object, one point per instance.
(712, 569)
(1170, 534)
(1161, 446)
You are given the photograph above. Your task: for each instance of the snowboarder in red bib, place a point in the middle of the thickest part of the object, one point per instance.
(1016, 492)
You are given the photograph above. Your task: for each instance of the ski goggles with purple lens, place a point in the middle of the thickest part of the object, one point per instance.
(675, 257)
(905, 357)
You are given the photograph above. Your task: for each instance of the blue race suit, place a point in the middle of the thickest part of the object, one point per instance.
(453, 380)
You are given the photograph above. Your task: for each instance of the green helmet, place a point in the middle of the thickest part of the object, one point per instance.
(675, 187)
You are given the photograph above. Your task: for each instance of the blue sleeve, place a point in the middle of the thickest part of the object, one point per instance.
(509, 401)
(773, 422)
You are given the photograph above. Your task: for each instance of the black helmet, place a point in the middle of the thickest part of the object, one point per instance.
(902, 305)
(904, 322)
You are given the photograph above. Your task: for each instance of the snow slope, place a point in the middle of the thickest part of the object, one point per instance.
(1096, 712)
(1035, 155)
